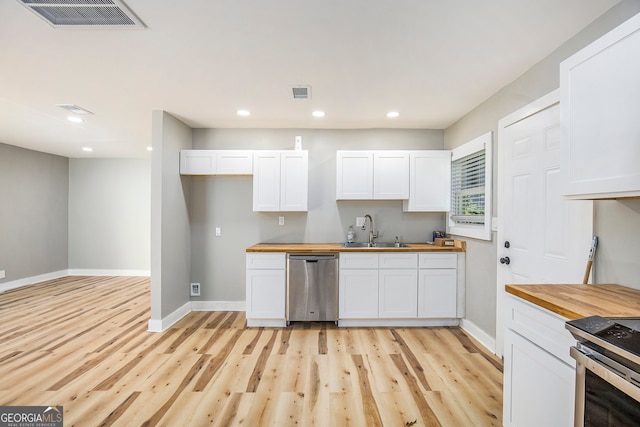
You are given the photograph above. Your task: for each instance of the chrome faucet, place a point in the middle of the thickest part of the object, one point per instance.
(372, 234)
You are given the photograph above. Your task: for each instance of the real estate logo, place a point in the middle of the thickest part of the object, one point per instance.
(31, 416)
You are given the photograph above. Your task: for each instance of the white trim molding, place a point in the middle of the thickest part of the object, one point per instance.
(161, 325)
(479, 335)
(218, 306)
(32, 280)
(101, 272)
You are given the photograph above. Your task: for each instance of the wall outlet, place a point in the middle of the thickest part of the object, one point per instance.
(2, 275)
(360, 221)
(280, 220)
(298, 145)
(195, 289)
(218, 232)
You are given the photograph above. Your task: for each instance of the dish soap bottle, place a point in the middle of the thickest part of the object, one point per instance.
(350, 234)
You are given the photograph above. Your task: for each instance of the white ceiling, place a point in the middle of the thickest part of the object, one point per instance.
(201, 60)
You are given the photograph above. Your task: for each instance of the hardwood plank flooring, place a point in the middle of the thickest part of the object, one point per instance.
(82, 342)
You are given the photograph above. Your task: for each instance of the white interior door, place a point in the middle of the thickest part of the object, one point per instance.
(543, 237)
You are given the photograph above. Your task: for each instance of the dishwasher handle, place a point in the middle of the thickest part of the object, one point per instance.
(313, 257)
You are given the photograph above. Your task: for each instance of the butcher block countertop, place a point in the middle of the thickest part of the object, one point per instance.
(460, 246)
(576, 301)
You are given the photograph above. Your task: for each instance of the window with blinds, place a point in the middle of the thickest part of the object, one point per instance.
(468, 188)
(470, 212)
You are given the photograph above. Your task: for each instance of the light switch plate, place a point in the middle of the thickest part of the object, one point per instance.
(280, 220)
(360, 221)
(218, 232)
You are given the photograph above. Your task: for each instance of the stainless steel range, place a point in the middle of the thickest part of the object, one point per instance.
(607, 371)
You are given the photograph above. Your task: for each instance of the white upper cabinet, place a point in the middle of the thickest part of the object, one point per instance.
(367, 175)
(280, 180)
(600, 111)
(391, 175)
(197, 162)
(429, 181)
(216, 162)
(354, 175)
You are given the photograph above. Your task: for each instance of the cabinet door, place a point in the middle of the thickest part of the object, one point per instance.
(538, 387)
(266, 181)
(197, 162)
(266, 294)
(429, 181)
(437, 293)
(234, 162)
(294, 180)
(600, 102)
(354, 175)
(358, 294)
(397, 293)
(391, 175)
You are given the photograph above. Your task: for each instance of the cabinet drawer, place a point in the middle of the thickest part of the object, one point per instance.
(267, 261)
(540, 326)
(438, 260)
(358, 260)
(399, 260)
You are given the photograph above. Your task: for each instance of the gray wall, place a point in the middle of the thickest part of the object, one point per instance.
(170, 231)
(109, 221)
(34, 188)
(218, 263)
(615, 221)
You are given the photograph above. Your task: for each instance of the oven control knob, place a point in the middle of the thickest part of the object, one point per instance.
(505, 260)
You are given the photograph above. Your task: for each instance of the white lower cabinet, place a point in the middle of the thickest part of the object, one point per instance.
(438, 285)
(266, 289)
(397, 287)
(539, 374)
(358, 294)
(397, 291)
(437, 293)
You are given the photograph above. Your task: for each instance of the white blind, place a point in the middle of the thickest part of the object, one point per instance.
(468, 188)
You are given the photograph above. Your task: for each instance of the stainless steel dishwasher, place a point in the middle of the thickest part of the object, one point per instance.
(312, 287)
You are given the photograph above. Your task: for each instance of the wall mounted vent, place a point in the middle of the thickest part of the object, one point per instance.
(301, 92)
(84, 14)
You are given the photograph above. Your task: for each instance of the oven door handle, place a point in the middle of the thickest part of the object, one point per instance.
(609, 370)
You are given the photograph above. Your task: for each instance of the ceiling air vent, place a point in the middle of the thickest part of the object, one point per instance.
(301, 92)
(84, 14)
(75, 109)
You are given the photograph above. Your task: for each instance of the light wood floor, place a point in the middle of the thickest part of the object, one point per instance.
(82, 342)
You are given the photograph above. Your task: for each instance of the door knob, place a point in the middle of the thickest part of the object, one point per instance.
(505, 260)
(507, 244)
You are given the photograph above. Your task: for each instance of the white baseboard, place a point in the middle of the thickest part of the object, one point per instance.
(33, 279)
(161, 325)
(481, 336)
(101, 272)
(218, 306)
(397, 323)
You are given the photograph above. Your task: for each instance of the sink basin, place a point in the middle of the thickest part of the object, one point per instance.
(375, 245)
(390, 245)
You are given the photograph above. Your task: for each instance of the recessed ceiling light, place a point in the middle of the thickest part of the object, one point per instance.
(75, 119)
(392, 114)
(244, 112)
(87, 149)
(318, 114)
(149, 148)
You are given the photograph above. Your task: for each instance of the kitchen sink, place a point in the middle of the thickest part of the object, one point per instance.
(361, 245)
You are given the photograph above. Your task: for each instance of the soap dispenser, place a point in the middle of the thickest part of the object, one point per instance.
(350, 234)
